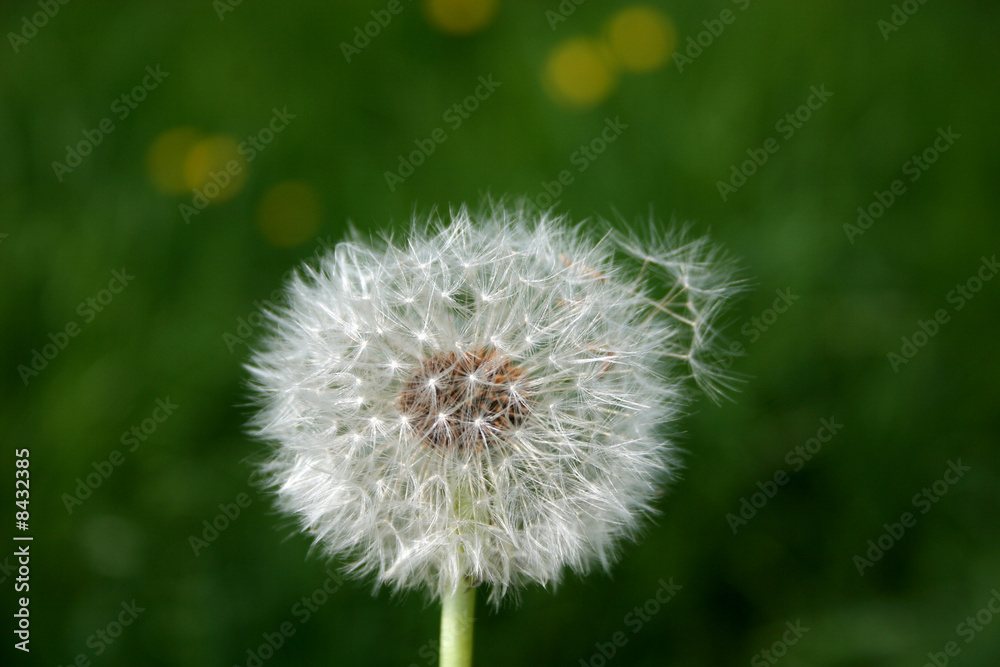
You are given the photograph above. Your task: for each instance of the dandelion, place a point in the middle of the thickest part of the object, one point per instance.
(487, 403)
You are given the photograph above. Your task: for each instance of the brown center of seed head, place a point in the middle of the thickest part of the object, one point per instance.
(464, 399)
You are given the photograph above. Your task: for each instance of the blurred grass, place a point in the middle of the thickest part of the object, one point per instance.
(164, 335)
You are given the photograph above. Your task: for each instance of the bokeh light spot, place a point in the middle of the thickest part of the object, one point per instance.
(460, 17)
(215, 165)
(289, 213)
(166, 157)
(641, 38)
(578, 73)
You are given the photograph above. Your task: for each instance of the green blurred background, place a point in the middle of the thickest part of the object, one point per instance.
(180, 329)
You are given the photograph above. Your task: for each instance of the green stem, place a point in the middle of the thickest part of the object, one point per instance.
(457, 619)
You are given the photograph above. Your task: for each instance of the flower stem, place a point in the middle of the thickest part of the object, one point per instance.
(457, 618)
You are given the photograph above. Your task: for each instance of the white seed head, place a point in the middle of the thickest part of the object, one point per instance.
(489, 400)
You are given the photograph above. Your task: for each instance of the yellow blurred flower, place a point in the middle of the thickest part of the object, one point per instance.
(460, 17)
(216, 160)
(166, 157)
(641, 38)
(579, 73)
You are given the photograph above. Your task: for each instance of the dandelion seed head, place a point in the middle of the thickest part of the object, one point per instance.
(491, 399)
